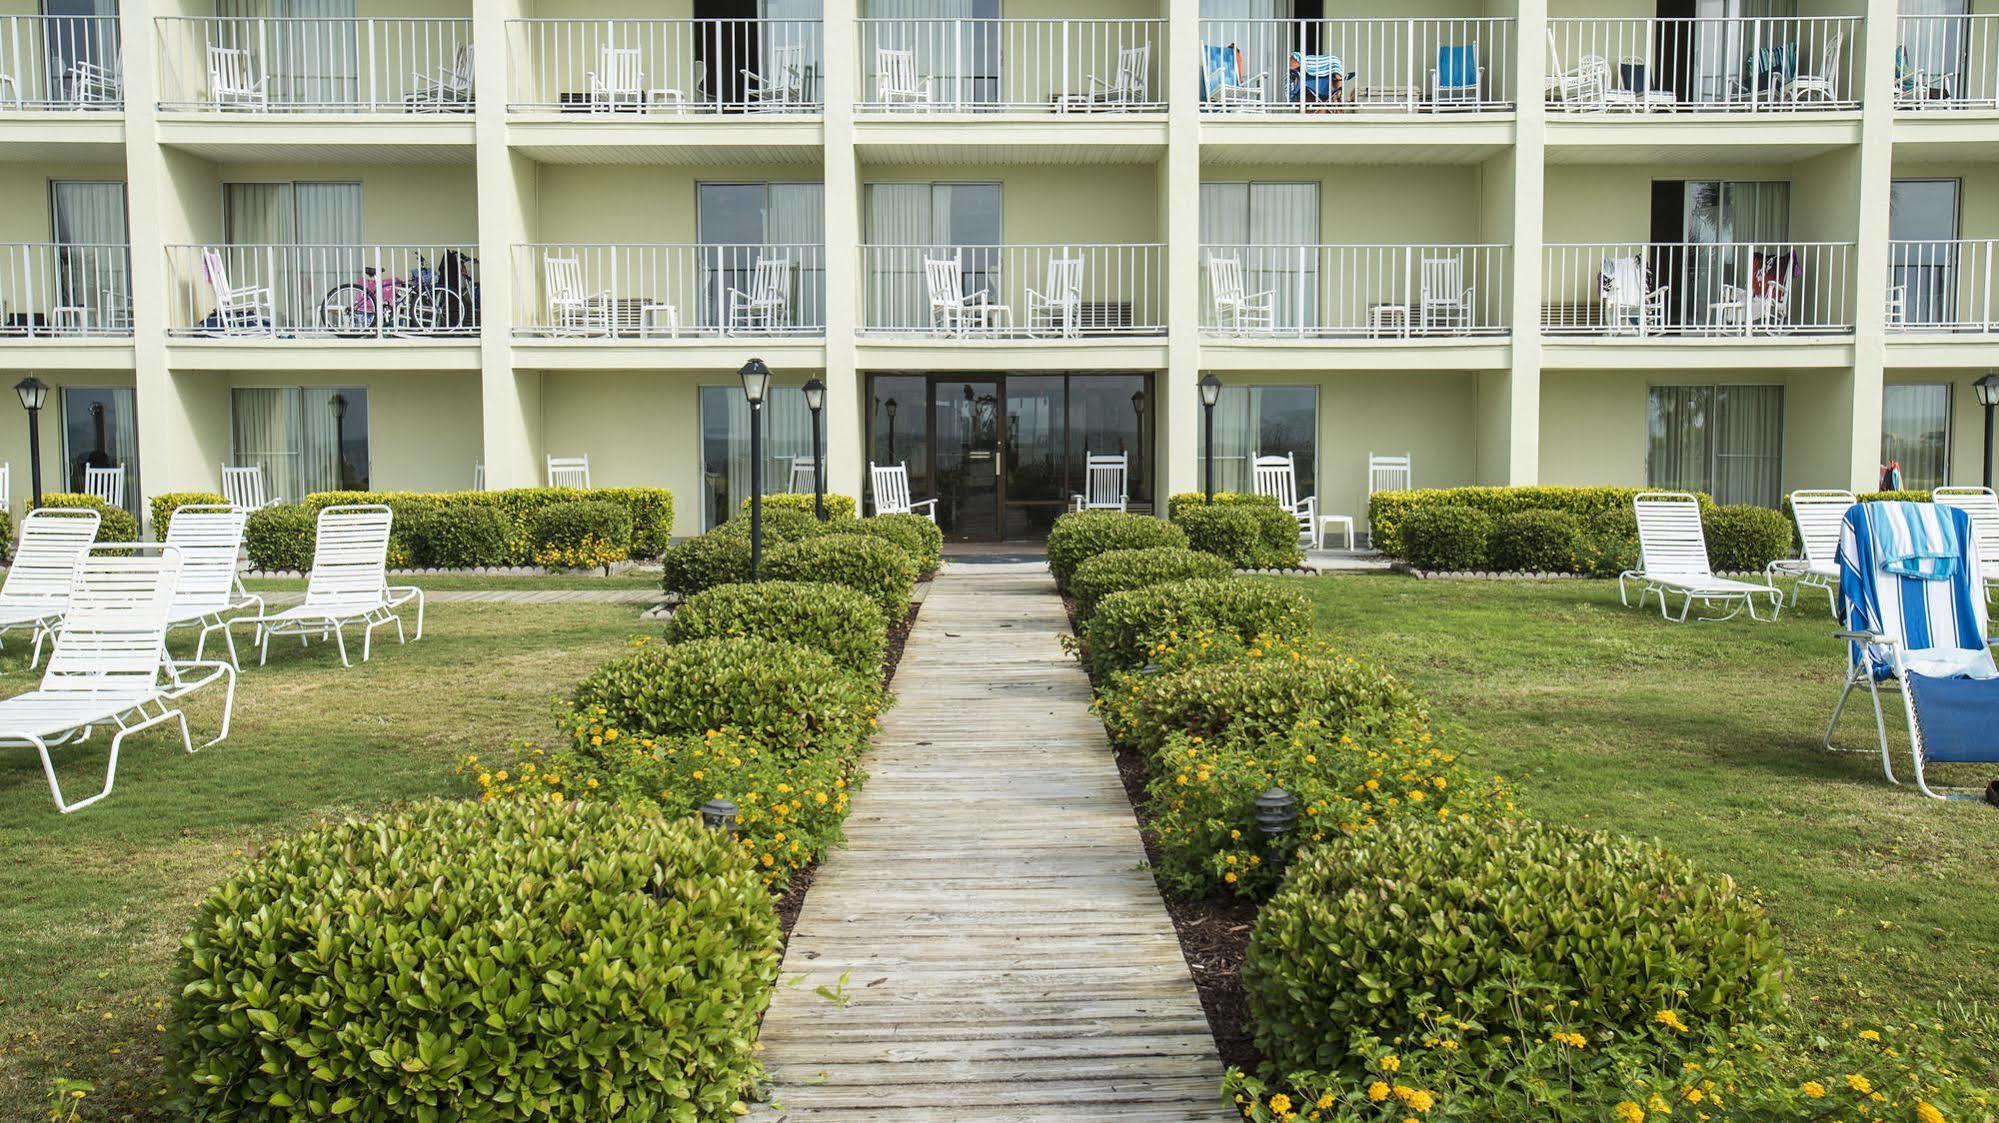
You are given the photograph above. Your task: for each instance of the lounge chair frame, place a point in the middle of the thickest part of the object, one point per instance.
(1670, 543)
(348, 585)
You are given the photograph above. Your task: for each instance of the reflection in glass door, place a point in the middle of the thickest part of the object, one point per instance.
(1922, 254)
(966, 435)
(99, 430)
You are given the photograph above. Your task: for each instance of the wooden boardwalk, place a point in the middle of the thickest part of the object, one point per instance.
(1005, 952)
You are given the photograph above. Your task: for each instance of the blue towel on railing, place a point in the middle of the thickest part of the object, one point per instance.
(1457, 66)
(1915, 540)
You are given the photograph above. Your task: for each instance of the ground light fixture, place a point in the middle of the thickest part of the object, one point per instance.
(756, 383)
(1211, 392)
(35, 394)
(815, 400)
(1276, 812)
(719, 815)
(1987, 389)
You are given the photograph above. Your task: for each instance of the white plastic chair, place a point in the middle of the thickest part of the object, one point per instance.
(1447, 302)
(1982, 507)
(233, 82)
(1235, 310)
(1131, 84)
(784, 86)
(209, 537)
(36, 590)
(248, 310)
(107, 484)
(952, 311)
(1819, 514)
(572, 310)
(569, 471)
(1058, 309)
(804, 474)
(244, 488)
(618, 83)
(109, 666)
(1672, 559)
(348, 585)
(446, 88)
(891, 491)
(896, 83)
(768, 303)
(1104, 483)
(1277, 477)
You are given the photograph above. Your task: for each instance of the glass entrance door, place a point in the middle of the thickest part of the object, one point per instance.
(965, 426)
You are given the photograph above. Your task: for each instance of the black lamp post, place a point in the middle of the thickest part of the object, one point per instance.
(815, 400)
(1138, 434)
(34, 395)
(339, 405)
(756, 383)
(1211, 392)
(888, 407)
(1987, 389)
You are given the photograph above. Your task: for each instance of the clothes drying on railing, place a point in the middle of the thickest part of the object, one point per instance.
(1771, 274)
(1314, 78)
(1622, 280)
(1772, 68)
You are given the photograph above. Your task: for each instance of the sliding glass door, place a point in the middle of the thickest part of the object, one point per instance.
(305, 438)
(100, 430)
(93, 256)
(1923, 264)
(1725, 440)
(1273, 229)
(914, 221)
(312, 238)
(725, 446)
(740, 224)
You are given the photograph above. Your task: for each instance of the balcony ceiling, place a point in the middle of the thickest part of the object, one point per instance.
(663, 155)
(352, 140)
(1032, 155)
(1718, 139)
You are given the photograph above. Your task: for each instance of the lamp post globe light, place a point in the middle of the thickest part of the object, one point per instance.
(34, 395)
(1211, 392)
(815, 400)
(1987, 389)
(756, 383)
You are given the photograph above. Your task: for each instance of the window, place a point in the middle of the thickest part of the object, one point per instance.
(1915, 432)
(302, 239)
(908, 222)
(1725, 440)
(99, 430)
(1263, 226)
(725, 446)
(1923, 254)
(740, 223)
(1253, 421)
(305, 438)
(92, 255)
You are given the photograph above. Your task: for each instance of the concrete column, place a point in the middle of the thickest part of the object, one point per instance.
(1177, 402)
(845, 384)
(1870, 258)
(509, 400)
(1515, 433)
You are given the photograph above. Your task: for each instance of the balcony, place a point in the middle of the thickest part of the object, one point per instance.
(1018, 292)
(665, 66)
(1345, 292)
(669, 292)
(51, 291)
(1356, 65)
(60, 63)
(1041, 66)
(366, 293)
(1947, 62)
(1699, 66)
(1942, 288)
(1726, 290)
(339, 67)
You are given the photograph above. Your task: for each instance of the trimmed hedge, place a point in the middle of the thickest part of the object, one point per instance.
(842, 622)
(281, 537)
(461, 537)
(1180, 500)
(1537, 542)
(837, 506)
(705, 561)
(1119, 570)
(1446, 538)
(780, 525)
(163, 507)
(651, 509)
(918, 537)
(479, 961)
(7, 535)
(580, 535)
(1079, 536)
(1263, 693)
(1387, 509)
(1253, 533)
(1744, 539)
(878, 569)
(1127, 628)
(115, 524)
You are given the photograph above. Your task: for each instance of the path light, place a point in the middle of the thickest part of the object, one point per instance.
(756, 383)
(719, 815)
(1987, 389)
(1211, 392)
(34, 395)
(815, 400)
(1150, 669)
(1276, 812)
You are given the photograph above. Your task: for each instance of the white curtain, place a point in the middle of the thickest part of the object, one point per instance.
(117, 446)
(943, 220)
(314, 234)
(76, 39)
(792, 35)
(291, 433)
(1725, 440)
(1915, 432)
(93, 263)
(1273, 221)
(937, 49)
(314, 62)
(796, 216)
(725, 424)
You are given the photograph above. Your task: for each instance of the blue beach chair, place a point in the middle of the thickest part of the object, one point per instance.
(1457, 78)
(1912, 599)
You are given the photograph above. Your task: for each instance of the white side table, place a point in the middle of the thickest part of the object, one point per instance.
(1387, 320)
(1344, 522)
(650, 313)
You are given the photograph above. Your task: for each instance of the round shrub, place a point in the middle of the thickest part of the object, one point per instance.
(705, 561)
(114, 524)
(1270, 690)
(1081, 535)
(1249, 534)
(838, 506)
(461, 536)
(793, 700)
(6, 535)
(497, 961)
(1602, 933)
(1744, 538)
(1126, 627)
(1445, 539)
(1119, 570)
(1536, 542)
(917, 536)
(166, 503)
(282, 537)
(867, 565)
(1610, 542)
(834, 619)
(780, 525)
(581, 534)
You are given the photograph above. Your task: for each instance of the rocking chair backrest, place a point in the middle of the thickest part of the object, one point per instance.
(891, 487)
(770, 283)
(564, 277)
(1443, 277)
(1389, 473)
(945, 282)
(244, 487)
(214, 272)
(1819, 515)
(569, 471)
(1829, 55)
(618, 70)
(1134, 70)
(229, 72)
(1225, 280)
(107, 484)
(895, 75)
(350, 557)
(804, 476)
(787, 77)
(208, 536)
(46, 553)
(1104, 481)
(1277, 477)
(114, 630)
(1065, 279)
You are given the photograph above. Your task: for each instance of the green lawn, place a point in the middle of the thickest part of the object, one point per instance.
(97, 900)
(440, 582)
(1706, 737)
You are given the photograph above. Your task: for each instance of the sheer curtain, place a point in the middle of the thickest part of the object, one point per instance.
(1273, 222)
(725, 430)
(1915, 432)
(941, 220)
(93, 255)
(1725, 440)
(314, 234)
(76, 39)
(314, 61)
(1679, 450)
(100, 430)
(292, 434)
(796, 216)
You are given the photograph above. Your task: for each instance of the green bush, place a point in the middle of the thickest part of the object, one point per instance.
(7, 535)
(1600, 933)
(1249, 534)
(780, 525)
(1270, 689)
(705, 561)
(1743, 538)
(468, 961)
(868, 565)
(1536, 542)
(1181, 500)
(917, 536)
(651, 510)
(1079, 536)
(1905, 496)
(1127, 629)
(1445, 539)
(837, 506)
(580, 535)
(281, 537)
(839, 621)
(1610, 543)
(459, 537)
(797, 702)
(1119, 570)
(114, 524)
(163, 507)
(1387, 509)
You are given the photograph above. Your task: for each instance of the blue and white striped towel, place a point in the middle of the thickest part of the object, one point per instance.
(1915, 540)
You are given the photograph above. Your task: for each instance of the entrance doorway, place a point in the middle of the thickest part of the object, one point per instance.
(1003, 453)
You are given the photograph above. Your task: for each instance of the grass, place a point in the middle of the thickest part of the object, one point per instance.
(1706, 737)
(441, 582)
(97, 900)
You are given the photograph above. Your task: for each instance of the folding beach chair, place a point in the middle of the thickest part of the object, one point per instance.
(1983, 507)
(1916, 622)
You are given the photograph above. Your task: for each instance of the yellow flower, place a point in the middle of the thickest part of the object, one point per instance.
(1628, 1112)
(1326, 1101)
(1928, 1113)
(1812, 1089)
(1572, 1040)
(1377, 1091)
(1280, 1103)
(1695, 1095)
(1391, 1063)
(1858, 1083)
(1671, 1020)
(1229, 877)
(1869, 1035)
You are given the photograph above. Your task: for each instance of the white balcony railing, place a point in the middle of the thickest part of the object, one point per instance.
(322, 292)
(1724, 65)
(1012, 65)
(64, 290)
(1019, 291)
(60, 62)
(1354, 292)
(1698, 289)
(1947, 62)
(340, 66)
(1943, 287)
(665, 65)
(665, 291)
(1356, 65)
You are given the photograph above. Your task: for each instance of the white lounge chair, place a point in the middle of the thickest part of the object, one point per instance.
(767, 304)
(109, 666)
(1277, 477)
(209, 536)
(233, 82)
(569, 471)
(1059, 309)
(1104, 483)
(1819, 515)
(572, 310)
(891, 492)
(107, 484)
(248, 310)
(1983, 508)
(896, 83)
(1235, 310)
(1130, 85)
(1672, 559)
(244, 488)
(36, 591)
(952, 312)
(348, 585)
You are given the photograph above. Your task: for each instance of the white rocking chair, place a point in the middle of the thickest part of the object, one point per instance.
(106, 484)
(1277, 477)
(569, 471)
(230, 81)
(952, 311)
(784, 87)
(768, 303)
(444, 89)
(239, 311)
(244, 488)
(1058, 309)
(618, 83)
(1104, 484)
(1131, 85)
(1235, 311)
(890, 485)
(571, 310)
(896, 83)
(1447, 302)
